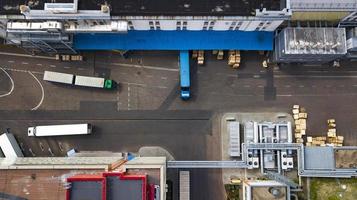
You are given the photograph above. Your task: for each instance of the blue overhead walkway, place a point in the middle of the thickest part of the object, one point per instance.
(175, 40)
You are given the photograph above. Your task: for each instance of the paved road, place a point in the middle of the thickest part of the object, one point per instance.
(326, 92)
(150, 83)
(138, 78)
(183, 134)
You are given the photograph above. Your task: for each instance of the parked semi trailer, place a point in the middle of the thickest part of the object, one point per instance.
(96, 82)
(84, 81)
(185, 75)
(184, 184)
(58, 77)
(60, 130)
(9, 146)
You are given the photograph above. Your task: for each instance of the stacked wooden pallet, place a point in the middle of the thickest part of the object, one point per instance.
(300, 117)
(199, 55)
(332, 139)
(234, 58)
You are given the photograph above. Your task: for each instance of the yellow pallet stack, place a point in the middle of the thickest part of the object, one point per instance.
(332, 139)
(199, 55)
(234, 58)
(300, 117)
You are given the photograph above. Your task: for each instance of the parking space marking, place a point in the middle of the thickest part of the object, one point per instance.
(25, 63)
(39, 64)
(10, 61)
(42, 90)
(129, 96)
(52, 65)
(12, 84)
(118, 103)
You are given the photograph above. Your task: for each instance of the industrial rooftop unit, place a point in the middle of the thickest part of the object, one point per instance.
(310, 44)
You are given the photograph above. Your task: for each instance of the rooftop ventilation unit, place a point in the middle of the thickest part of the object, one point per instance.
(62, 7)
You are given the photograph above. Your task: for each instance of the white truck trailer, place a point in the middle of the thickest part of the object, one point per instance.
(58, 77)
(60, 130)
(184, 184)
(88, 81)
(9, 146)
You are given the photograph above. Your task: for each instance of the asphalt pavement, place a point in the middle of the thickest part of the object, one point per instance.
(146, 110)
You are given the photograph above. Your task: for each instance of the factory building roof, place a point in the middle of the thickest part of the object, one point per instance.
(157, 7)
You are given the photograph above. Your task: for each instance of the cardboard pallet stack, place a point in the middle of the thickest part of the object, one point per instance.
(234, 58)
(300, 117)
(220, 55)
(199, 55)
(332, 139)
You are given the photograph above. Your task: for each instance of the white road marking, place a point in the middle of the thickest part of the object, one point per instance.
(315, 76)
(118, 103)
(42, 90)
(287, 86)
(260, 86)
(52, 65)
(301, 86)
(26, 55)
(256, 76)
(21, 70)
(128, 96)
(163, 78)
(354, 85)
(24, 63)
(66, 67)
(145, 85)
(39, 64)
(10, 61)
(12, 84)
(316, 95)
(145, 67)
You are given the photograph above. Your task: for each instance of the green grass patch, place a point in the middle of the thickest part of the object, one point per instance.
(232, 191)
(333, 189)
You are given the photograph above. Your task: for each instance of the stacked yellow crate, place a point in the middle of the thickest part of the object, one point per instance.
(201, 57)
(300, 117)
(234, 58)
(332, 138)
